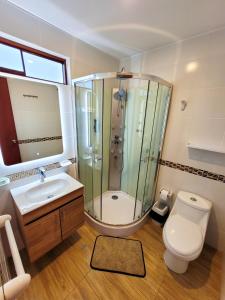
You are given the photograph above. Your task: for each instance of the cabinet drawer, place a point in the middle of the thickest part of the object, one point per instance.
(72, 216)
(42, 235)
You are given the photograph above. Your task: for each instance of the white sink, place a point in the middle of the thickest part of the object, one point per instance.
(36, 194)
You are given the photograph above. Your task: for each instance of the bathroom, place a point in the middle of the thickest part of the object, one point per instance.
(132, 116)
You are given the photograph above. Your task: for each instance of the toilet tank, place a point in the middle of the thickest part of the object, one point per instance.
(192, 207)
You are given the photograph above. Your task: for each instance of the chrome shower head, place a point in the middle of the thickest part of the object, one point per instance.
(120, 94)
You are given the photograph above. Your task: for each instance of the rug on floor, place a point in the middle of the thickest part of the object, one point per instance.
(118, 255)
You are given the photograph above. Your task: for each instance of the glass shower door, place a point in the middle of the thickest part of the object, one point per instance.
(146, 147)
(89, 137)
(83, 96)
(137, 92)
(97, 146)
(159, 123)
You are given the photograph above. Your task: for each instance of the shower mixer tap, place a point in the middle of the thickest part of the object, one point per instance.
(117, 140)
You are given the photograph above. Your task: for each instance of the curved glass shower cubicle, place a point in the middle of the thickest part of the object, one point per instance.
(120, 119)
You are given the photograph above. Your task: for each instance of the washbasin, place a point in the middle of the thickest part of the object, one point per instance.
(36, 194)
(46, 190)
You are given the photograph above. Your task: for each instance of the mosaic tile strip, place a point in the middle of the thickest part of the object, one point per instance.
(192, 170)
(32, 172)
(43, 139)
(167, 163)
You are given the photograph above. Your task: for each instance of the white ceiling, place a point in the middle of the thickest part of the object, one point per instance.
(126, 27)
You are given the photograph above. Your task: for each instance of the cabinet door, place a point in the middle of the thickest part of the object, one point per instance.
(72, 216)
(43, 234)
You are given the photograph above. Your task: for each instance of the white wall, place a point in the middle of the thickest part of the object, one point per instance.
(196, 67)
(85, 59)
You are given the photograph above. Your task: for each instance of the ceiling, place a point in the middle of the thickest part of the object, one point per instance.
(126, 27)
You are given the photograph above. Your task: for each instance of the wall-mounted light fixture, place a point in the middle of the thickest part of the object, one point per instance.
(183, 104)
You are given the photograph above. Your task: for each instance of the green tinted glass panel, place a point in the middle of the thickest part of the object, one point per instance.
(159, 124)
(84, 142)
(97, 147)
(133, 134)
(146, 145)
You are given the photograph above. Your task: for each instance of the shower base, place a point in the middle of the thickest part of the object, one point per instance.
(118, 211)
(117, 214)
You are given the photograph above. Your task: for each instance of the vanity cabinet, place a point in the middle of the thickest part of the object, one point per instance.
(71, 216)
(43, 234)
(45, 227)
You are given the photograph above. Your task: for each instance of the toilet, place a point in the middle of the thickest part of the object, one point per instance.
(184, 231)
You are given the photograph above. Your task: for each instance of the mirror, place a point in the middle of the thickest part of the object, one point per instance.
(30, 126)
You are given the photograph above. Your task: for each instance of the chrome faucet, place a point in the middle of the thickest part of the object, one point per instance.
(41, 172)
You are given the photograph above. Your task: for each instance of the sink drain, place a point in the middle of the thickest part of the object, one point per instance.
(50, 196)
(114, 197)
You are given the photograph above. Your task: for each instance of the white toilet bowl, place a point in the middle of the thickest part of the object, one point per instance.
(184, 231)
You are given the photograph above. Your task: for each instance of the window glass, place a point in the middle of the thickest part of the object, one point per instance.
(10, 58)
(39, 67)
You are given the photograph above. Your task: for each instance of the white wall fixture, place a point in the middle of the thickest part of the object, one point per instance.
(183, 104)
(205, 148)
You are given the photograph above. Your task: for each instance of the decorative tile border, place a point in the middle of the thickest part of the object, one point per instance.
(32, 172)
(167, 163)
(36, 140)
(192, 170)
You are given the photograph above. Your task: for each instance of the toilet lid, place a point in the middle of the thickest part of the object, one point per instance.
(182, 235)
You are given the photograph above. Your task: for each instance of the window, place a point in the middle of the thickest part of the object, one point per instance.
(39, 67)
(10, 58)
(22, 60)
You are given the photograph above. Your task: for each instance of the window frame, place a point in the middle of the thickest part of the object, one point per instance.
(24, 48)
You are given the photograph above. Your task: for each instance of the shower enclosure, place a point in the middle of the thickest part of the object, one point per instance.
(120, 120)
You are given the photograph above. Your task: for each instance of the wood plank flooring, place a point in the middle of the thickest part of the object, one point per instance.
(64, 273)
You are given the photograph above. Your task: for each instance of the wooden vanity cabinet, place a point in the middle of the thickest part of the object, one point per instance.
(71, 216)
(45, 227)
(43, 234)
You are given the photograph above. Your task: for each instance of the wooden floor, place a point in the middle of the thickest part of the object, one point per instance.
(64, 273)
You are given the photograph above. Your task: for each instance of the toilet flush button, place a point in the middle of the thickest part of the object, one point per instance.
(193, 199)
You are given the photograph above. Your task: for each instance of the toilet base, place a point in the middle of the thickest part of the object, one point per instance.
(174, 263)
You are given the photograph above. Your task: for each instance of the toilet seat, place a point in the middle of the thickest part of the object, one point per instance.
(183, 237)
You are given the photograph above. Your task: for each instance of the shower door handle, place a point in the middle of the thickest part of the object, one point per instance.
(97, 159)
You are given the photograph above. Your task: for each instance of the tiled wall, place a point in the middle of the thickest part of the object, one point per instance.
(39, 139)
(192, 170)
(196, 67)
(24, 174)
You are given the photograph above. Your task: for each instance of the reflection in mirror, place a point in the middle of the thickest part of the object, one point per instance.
(30, 126)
